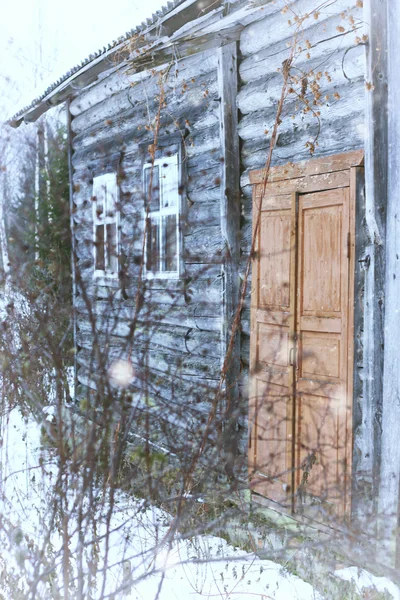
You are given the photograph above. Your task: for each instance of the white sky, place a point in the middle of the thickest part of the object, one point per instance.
(41, 39)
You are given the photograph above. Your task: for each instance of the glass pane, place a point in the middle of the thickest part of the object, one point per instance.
(169, 176)
(169, 262)
(110, 196)
(112, 259)
(99, 196)
(152, 198)
(99, 248)
(153, 245)
(100, 203)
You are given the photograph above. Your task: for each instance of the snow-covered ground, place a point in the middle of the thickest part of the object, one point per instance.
(364, 582)
(140, 560)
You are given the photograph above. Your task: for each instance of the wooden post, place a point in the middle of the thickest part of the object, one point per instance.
(230, 228)
(390, 456)
(367, 438)
(73, 250)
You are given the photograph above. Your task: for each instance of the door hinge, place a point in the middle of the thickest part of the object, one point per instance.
(348, 245)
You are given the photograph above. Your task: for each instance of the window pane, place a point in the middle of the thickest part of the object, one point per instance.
(99, 196)
(111, 200)
(153, 245)
(112, 259)
(99, 248)
(152, 198)
(169, 262)
(169, 176)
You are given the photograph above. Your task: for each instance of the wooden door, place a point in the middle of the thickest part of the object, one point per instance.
(301, 338)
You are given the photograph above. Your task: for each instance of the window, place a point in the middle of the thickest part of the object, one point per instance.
(105, 223)
(161, 190)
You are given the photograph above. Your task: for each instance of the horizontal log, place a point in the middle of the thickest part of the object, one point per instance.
(343, 66)
(140, 104)
(205, 317)
(185, 69)
(202, 162)
(342, 135)
(207, 141)
(162, 362)
(203, 180)
(177, 338)
(352, 97)
(275, 27)
(324, 40)
(203, 245)
(201, 214)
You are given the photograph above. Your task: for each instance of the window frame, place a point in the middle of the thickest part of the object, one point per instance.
(163, 211)
(104, 220)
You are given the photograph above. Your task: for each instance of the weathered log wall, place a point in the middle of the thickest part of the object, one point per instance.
(181, 323)
(176, 346)
(330, 40)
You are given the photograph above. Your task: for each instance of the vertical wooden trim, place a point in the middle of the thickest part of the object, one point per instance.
(354, 178)
(389, 492)
(73, 245)
(376, 177)
(252, 456)
(230, 228)
(298, 309)
(361, 265)
(293, 347)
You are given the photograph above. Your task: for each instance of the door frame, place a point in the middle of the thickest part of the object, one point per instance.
(340, 170)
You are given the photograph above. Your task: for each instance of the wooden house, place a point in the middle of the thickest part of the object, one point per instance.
(169, 132)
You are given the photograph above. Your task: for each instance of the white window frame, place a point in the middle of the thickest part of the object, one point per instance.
(164, 211)
(105, 184)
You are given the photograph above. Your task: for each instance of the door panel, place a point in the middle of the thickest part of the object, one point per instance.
(299, 356)
(271, 433)
(322, 360)
(270, 394)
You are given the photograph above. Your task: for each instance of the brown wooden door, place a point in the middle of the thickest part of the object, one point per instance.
(301, 344)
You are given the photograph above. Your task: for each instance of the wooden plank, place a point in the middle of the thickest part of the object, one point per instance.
(316, 166)
(293, 349)
(389, 502)
(72, 233)
(270, 452)
(356, 176)
(230, 229)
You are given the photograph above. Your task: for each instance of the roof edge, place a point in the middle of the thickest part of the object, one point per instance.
(167, 20)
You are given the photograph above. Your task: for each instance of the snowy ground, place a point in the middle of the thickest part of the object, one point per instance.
(139, 558)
